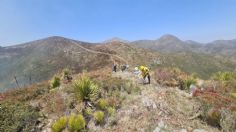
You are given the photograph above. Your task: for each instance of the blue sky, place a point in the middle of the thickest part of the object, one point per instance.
(98, 20)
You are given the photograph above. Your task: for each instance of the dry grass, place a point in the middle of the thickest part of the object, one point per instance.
(169, 77)
(54, 103)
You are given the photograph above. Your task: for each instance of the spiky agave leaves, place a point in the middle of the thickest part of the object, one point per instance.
(85, 89)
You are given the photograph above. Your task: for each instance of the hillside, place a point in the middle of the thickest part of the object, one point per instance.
(123, 101)
(204, 65)
(39, 60)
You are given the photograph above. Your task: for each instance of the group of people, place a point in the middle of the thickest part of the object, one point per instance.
(142, 71)
(122, 67)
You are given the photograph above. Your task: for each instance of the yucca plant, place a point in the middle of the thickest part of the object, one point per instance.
(111, 111)
(67, 74)
(76, 123)
(59, 125)
(55, 82)
(102, 104)
(85, 89)
(189, 81)
(99, 117)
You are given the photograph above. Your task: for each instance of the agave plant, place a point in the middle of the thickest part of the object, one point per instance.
(85, 89)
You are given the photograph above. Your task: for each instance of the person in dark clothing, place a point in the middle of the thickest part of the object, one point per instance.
(114, 67)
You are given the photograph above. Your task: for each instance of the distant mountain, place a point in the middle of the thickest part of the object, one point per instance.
(165, 44)
(115, 39)
(171, 44)
(225, 48)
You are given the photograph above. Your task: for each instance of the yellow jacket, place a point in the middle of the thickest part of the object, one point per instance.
(144, 70)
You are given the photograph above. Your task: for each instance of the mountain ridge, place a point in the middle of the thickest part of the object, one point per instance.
(41, 59)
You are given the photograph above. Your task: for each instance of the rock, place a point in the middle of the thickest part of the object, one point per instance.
(183, 130)
(161, 124)
(199, 130)
(161, 127)
(154, 106)
(157, 129)
(149, 103)
(192, 89)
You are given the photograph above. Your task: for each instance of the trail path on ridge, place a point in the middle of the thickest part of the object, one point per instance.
(156, 108)
(99, 52)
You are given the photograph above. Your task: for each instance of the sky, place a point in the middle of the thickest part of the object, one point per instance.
(97, 20)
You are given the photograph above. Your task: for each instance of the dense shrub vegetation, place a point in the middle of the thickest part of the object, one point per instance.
(169, 76)
(218, 103)
(16, 116)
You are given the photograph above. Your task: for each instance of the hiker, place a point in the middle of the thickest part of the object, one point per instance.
(123, 68)
(114, 67)
(145, 73)
(136, 71)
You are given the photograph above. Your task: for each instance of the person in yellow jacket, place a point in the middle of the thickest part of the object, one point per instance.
(145, 73)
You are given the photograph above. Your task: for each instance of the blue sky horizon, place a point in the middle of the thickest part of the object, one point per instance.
(95, 21)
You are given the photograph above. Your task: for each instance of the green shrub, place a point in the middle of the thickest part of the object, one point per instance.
(194, 75)
(59, 124)
(66, 72)
(102, 104)
(99, 117)
(233, 95)
(111, 111)
(85, 89)
(55, 82)
(88, 111)
(17, 116)
(223, 76)
(187, 82)
(76, 123)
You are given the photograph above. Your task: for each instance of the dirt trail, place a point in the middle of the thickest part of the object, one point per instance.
(157, 109)
(99, 52)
